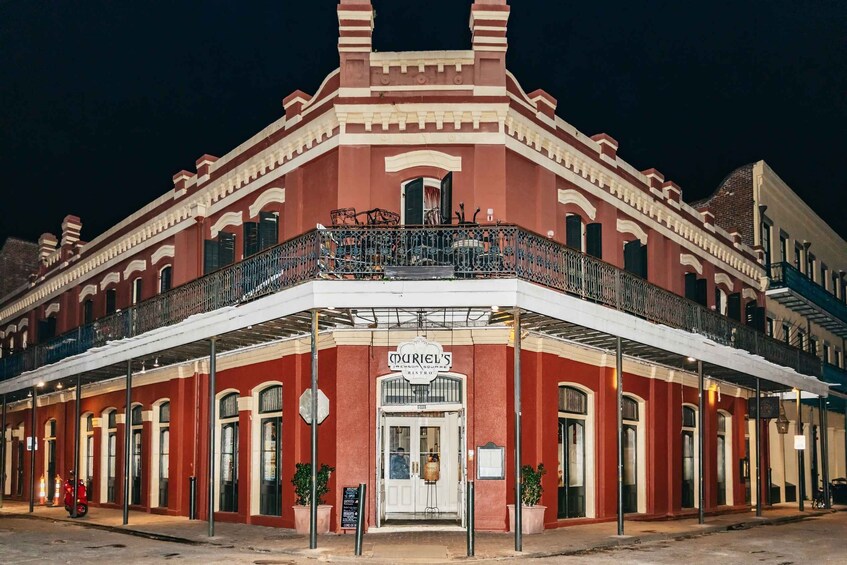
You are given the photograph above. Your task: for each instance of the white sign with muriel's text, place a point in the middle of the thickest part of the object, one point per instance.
(420, 360)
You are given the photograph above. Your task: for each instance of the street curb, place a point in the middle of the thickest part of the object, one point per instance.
(608, 545)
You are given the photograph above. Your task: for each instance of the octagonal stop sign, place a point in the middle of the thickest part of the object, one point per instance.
(306, 406)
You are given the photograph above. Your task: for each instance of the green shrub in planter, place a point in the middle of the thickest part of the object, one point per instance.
(302, 482)
(531, 488)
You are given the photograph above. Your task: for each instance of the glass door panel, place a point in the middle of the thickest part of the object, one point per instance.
(270, 502)
(721, 470)
(229, 468)
(571, 468)
(136, 468)
(687, 469)
(630, 469)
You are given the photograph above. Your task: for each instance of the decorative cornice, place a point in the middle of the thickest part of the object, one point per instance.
(267, 197)
(111, 278)
(228, 219)
(724, 279)
(629, 226)
(576, 198)
(161, 253)
(420, 158)
(52, 309)
(691, 261)
(134, 265)
(88, 290)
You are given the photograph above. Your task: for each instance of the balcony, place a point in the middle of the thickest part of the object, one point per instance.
(414, 253)
(835, 376)
(793, 289)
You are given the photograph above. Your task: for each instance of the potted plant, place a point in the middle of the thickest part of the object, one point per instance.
(532, 514)
(302, 482)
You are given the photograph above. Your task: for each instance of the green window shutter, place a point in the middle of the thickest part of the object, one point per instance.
(573, 231)
(691, 286)
(268, 229)
(251, 238)
(632, 257)
(211, 261)
(594, 240)
(447, 199)
(733, 306)
(643, 262)
(226, 248)
(702, 292)
(414, 202)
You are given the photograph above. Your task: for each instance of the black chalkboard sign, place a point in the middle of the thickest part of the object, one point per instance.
(350, 508)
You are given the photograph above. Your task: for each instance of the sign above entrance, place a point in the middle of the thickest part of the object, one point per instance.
(420, 360)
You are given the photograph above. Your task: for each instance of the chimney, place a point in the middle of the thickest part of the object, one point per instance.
(355, 42)
(71, 227)
(489, 19)
(181, 182)
(608, 145)
(204, 167)
(46, 245)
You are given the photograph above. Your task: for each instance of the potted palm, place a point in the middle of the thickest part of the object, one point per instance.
(532, 514)
(302, 482)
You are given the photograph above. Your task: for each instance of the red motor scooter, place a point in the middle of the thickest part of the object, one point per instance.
(81, 497)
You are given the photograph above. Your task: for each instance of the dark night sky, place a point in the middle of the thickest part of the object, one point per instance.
(102, 101)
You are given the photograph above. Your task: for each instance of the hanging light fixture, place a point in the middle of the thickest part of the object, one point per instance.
(782, 420)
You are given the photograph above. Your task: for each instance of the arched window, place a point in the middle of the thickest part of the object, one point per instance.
(137, 459)
(165, 279)
(630, 454)
(50, 469)
(270, 423)
(88, 311)
(724, 455)
(228, 428)
(108, 468)
(689, 457)
(111, 301)
(137, 290)
(88, 469)
(573, 415)
(161, 452)
(425, 201)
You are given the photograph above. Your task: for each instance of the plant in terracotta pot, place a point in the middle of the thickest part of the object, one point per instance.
(302, 482)
(532, 514)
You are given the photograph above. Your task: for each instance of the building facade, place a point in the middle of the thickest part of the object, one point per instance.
(805, 262)
(470, 280)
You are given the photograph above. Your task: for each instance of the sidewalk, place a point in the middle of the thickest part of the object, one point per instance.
(422, 546)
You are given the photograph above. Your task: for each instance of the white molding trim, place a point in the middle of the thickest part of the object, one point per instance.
(691, 261)
(268, 196)
(162, 252)
(228, 219)
(723, 278)
(87, 291)
(749, 294)
(10, 329)
(113, 277)
(424, 157)
(52, 309)
(135, 265)
(23, 323)
(629, 226)
(571, 196)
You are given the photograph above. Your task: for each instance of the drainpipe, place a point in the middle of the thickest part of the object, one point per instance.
(3, 454)
(211, 417)
(313, 510)
(76, 447)
(758, 424)
(127, 438)
(701, 517)
(801, 470)
(517, 376)
(619, 375)
(32, 449)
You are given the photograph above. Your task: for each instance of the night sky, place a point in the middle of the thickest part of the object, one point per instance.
(101, 102)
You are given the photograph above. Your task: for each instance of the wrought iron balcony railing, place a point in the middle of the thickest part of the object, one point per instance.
(785, 275)
(374, 253)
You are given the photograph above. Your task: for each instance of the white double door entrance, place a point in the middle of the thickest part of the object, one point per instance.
(421, 465)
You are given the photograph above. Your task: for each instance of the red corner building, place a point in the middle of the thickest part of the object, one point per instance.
(469, 281)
